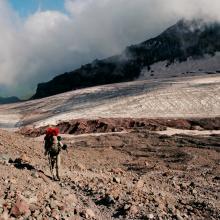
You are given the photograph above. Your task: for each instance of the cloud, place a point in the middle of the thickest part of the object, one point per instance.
(47, 43)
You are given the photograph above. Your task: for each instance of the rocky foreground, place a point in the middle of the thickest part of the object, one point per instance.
(135, 175)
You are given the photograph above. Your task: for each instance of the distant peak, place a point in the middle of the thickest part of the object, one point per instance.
(191, 26)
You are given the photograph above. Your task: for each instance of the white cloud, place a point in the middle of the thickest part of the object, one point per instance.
(47, 43)
(77, 7)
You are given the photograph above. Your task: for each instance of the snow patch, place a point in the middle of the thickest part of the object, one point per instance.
(191, 67)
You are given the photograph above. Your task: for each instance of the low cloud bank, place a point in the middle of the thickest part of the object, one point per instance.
(36, 48)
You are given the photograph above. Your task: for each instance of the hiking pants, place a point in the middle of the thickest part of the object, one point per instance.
(54, 162)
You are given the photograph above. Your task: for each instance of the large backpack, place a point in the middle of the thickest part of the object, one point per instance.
(52, 148)
(55, 149)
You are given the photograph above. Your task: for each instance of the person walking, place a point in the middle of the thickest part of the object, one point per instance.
(53, 147)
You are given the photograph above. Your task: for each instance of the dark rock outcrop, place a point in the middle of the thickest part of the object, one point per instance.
(8, 100)
(184, 39)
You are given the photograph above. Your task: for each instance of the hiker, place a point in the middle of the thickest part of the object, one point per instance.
(53, 146)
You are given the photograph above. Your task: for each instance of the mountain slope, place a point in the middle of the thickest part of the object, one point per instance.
(8, 100)
(184, 39)
(186, 97)
(207, 64)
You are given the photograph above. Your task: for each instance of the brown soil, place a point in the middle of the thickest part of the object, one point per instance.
(135, 175)
(85, 126)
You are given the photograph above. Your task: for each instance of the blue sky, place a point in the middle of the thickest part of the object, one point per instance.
(27, 7)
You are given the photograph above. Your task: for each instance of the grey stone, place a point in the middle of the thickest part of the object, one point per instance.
(34, 174)
(116, 180)
(179, 217)
(150, 216)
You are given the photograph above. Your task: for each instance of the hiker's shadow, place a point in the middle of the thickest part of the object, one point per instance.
(19, 164)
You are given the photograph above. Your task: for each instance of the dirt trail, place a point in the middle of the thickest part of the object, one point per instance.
(173, 131)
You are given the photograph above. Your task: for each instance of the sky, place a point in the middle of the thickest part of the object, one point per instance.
(43, 38)
(27, 7)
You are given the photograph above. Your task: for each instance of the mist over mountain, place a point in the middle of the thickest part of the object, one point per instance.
(49, 41)
(187, 38)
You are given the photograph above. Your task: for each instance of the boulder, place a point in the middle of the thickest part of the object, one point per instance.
(20, 208)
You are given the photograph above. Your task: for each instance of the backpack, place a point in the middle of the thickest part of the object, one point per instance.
(50, 147)
(55, 149)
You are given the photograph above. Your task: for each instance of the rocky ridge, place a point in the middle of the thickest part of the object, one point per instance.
(114, 125)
